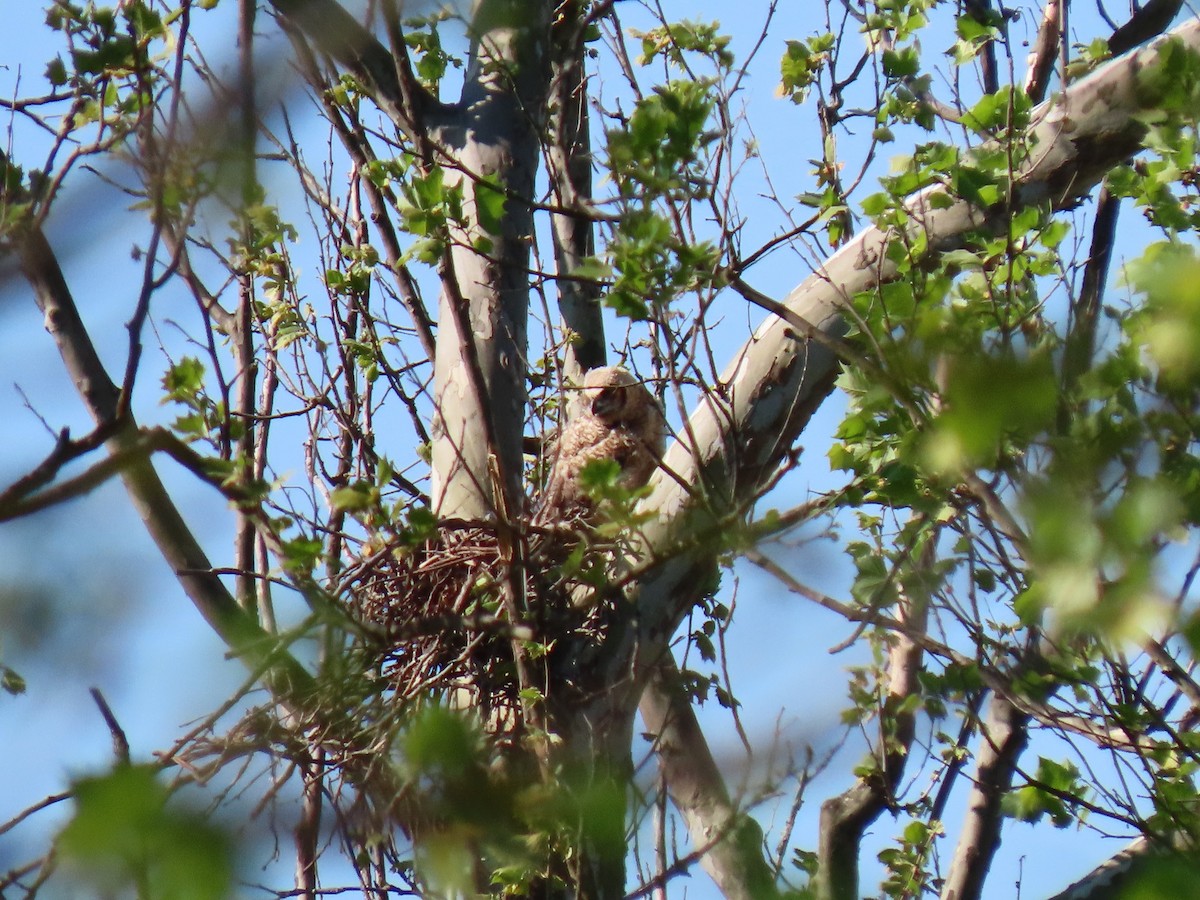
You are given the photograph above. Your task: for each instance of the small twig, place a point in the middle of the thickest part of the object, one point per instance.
(13, 876)
(843, 349)
(803, 779)
(28, 404)
(24, 814)
(15, 501)
(119, 741)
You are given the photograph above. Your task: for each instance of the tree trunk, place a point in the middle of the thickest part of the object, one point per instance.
(491, 149)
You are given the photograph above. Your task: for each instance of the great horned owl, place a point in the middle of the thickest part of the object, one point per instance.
(612, 417)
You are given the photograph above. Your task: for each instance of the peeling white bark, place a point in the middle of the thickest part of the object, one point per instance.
(733, 442)
(479, 369)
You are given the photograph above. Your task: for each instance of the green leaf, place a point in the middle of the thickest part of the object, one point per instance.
(628, 305)
(976, 185)
(127, 836)
(677, 38)
(802, 63)
(663, 137)
(184, 379)
(440, 741)
(1161, 877)
(118, 55)
(985, 580)
(599, 475)
(145, 22)
(1046, 797)
(593, 269)
(990, 399)
(421, 524)
(904, 62)
(490, 201)
(302, 554)
(531, 695)
(56, 72)
(353, 498)
(1054, 232)
(874, 204)
(705, 647)
(1168, 274)
(11, 681)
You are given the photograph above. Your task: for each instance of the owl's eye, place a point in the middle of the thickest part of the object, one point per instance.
(608, 401)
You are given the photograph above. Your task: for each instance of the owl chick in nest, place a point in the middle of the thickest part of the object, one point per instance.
(612, 417)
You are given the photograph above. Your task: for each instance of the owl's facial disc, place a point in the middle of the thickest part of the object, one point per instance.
(609, 401)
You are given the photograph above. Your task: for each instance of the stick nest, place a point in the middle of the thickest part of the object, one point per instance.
(439, 621)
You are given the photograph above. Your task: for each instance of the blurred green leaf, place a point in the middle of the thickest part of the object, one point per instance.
(989, 399)
(1168, 274)
(11, 681)
(1161, 877)
(302, 554)
(354, 497)
(184, 379)
(439, 740)
(127, 835)
(1055, 783)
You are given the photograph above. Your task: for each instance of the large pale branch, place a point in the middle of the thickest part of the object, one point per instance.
(479, 368)
(731, 841)
(737, 438)
(1110, 880)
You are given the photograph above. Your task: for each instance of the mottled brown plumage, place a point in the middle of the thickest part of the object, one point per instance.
(612, 417)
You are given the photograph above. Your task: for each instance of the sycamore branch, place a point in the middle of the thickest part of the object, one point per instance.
(1111, 879)
(1040, 65)
(845, 817)
(737, 438)
(1148, 22)
(1002, 740)
(731, 842)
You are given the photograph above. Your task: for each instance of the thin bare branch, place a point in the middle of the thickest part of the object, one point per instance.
(119, 741)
